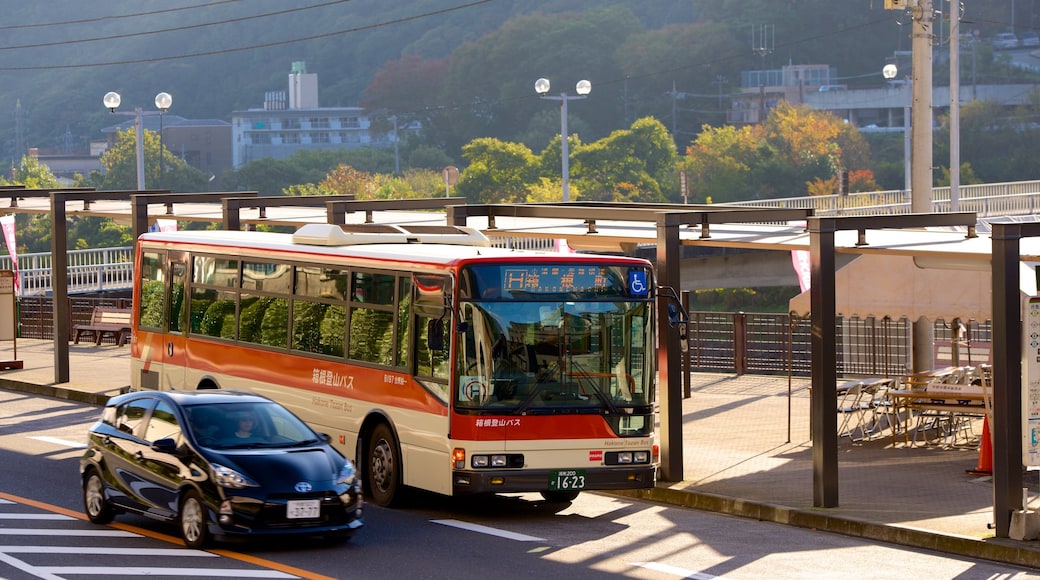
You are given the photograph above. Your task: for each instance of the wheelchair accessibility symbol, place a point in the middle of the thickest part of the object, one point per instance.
(637, 282)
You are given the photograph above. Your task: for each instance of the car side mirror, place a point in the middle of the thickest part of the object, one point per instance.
(165, 445)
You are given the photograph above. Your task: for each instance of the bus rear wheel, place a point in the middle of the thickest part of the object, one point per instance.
(383, 473)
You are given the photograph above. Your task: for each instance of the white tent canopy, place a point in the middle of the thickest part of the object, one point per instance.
(889, 285)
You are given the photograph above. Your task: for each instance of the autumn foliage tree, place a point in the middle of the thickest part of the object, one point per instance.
(796, 151)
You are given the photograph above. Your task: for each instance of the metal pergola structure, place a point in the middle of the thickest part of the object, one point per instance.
(671, 223)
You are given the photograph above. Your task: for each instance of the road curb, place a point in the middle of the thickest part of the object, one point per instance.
(98, 399)
(996, 549)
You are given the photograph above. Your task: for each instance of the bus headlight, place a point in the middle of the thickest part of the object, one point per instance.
(512, 460)
(626, 458)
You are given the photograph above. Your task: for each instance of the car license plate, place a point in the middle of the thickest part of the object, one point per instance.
(303, 508)
(566, 479)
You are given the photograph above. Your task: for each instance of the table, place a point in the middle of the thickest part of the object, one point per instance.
(953, 402)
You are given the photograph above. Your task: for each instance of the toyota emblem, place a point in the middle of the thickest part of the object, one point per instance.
(303, 487)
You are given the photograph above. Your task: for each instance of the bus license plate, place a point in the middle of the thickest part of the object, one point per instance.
(566, 479)
(303, 508)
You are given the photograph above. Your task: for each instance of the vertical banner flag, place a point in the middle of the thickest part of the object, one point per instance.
(800, 260)
(7, 223)
(163, 225)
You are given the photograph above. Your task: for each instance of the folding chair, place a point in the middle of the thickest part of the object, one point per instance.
(853, 406)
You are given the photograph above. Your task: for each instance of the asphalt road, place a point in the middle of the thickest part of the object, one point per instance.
(500, 537)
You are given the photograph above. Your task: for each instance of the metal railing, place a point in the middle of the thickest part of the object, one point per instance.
(988, 200)
(89, 271)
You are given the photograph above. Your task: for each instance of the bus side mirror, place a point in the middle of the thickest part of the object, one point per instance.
(678, 317)
(435, 334)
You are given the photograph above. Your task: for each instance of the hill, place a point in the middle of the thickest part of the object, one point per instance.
(59, 57)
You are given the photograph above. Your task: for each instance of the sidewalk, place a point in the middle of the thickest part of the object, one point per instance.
(738, 459)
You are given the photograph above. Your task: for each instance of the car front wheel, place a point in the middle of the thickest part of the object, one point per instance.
(95, 504)
(193, 521)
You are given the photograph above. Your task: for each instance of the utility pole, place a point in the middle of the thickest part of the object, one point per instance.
(921, 108)
(763, 45)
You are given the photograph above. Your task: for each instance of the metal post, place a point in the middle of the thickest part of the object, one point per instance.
(162, 165)
(955, 107)
(907, 141)
(564, 153)
(824, 398)
(61, 310)
(921, 128)
(138, 125)
(1007, 376)
(669, 353)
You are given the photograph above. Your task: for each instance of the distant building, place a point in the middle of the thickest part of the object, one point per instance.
(287, 124)
(870, 109)
(65, 165)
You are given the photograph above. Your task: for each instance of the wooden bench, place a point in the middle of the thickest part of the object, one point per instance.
(103, 320)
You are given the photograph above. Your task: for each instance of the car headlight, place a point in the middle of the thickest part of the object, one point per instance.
(227, 477)
(347, 473)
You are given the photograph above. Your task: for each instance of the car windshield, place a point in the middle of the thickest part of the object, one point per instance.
(246, 425)
(519, 357)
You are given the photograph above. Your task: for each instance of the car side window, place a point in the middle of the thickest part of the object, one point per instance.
(130, 415)
(163, 423)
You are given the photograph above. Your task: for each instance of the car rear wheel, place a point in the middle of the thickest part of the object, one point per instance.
(194, 527)
(384, 471)
(95, 504)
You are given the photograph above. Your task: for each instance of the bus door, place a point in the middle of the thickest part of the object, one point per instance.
(174, 356)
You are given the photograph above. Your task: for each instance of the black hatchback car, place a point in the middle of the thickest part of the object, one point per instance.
(219, 464)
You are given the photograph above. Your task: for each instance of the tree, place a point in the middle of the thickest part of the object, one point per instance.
(627, 165)
(408, 85)
(796, 150)
(498, 171)
(120, 167)
(718, 163)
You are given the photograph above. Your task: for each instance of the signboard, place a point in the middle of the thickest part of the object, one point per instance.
(9, 317)
(8, 321)
(1031, 384)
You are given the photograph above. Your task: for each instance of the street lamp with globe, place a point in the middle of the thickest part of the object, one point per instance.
(541, 86)
(889, 71)
(163, 101)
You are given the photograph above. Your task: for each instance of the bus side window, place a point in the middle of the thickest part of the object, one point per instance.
(153, 290)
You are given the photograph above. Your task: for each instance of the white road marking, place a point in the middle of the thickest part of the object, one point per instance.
(62, 442)
(677, 571)
(6, 516)
(98, 550)
(488, 530)
(65, 532)
(20, 565)
(112, 571)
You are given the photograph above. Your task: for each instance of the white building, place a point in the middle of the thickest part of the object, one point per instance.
(287, 124)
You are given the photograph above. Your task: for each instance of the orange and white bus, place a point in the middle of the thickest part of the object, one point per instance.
(435, 360)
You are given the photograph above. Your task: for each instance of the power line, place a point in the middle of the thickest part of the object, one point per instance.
(175, 29)
(114, 17)
(250, 47)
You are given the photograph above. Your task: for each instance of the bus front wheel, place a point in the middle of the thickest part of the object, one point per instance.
(383, 476)
(559, 496)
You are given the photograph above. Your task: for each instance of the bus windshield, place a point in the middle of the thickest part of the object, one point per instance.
(531, 357)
